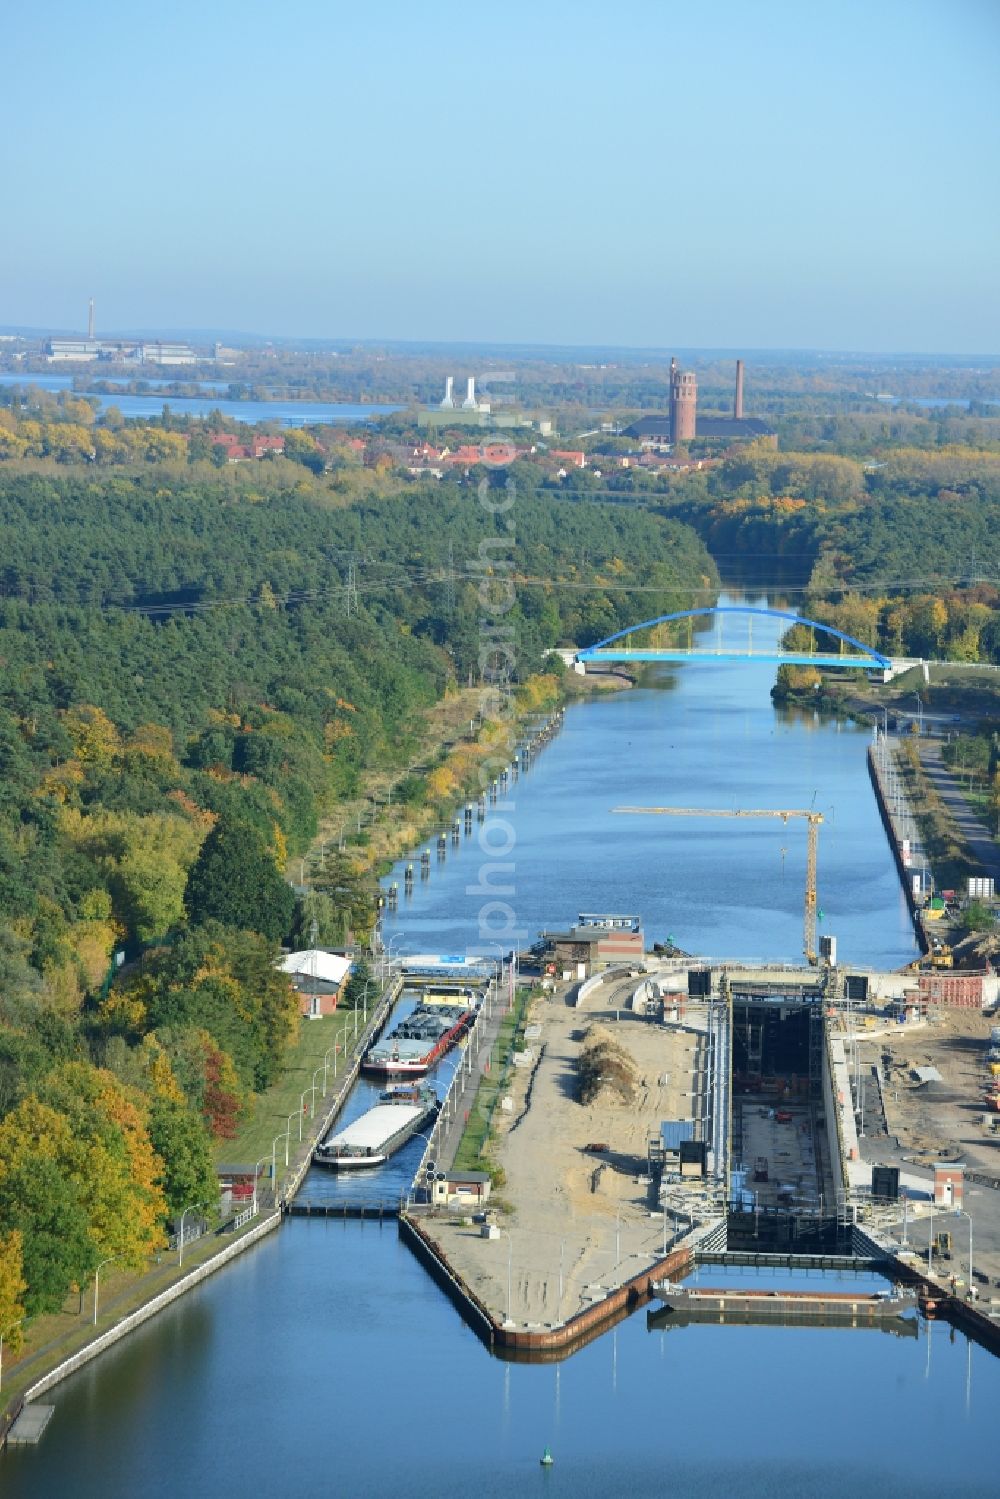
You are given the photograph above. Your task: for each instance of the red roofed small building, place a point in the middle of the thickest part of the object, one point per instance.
(494, 454)
(575, 457)
(259, 446)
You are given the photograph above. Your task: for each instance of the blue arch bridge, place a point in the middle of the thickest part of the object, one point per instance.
(849, 653)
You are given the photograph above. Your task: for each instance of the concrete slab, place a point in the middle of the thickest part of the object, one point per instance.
(28, 1428)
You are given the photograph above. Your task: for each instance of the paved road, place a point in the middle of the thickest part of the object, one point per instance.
(448, 1134)
(982, 845)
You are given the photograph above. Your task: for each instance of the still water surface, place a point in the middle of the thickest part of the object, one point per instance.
(286, 413)
(325, 1361)
(707, 737)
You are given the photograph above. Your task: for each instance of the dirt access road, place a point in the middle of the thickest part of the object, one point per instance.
(564, 1244)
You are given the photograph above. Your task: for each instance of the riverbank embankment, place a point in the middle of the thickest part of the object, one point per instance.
(577, 1230)
(39, 1369)
(900, 825)
(535, 1343)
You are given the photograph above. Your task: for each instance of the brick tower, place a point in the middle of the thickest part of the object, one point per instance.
(683, 404)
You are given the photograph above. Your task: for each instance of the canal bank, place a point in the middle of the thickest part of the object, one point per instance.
(229, 1379)
(34, 1374)
(901, 829)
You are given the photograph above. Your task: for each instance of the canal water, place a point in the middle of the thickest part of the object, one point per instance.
(386, 1185)
(326, 1362)
(705, 736)
(286, 413)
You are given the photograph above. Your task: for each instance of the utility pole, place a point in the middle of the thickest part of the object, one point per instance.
(449, 582)
(351, 589)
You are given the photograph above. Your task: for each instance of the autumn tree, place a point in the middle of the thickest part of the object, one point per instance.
(349, 890)
(42, 1172)
(112, 1158)
(12, 1289)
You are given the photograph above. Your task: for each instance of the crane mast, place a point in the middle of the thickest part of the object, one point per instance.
(812, 846)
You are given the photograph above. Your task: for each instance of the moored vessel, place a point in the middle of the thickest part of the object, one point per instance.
(418, 1041)
(379, 1133)
(709, 1301)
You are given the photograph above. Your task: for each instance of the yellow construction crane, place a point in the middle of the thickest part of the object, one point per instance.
(814, 819)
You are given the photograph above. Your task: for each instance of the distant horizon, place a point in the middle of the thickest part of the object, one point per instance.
(323, 342)
(773, 177)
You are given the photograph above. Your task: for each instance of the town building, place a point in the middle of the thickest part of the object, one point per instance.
(260, 445)
(124, 351)
(319, 977)
(661, 431)
(595, 942)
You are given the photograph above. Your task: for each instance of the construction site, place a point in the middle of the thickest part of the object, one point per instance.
(743, 1110)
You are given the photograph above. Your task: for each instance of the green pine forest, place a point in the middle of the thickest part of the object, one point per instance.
(196, 667)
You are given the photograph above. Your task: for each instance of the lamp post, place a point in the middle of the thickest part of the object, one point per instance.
(428, 1141)
(274, 1162)
(256, 1173)
(180, 1243)
(288, 1130)
(302, 1108)
(326, 1064)
(8, 1329)
(315, 1075)
(961, 1213)
(510, 1274)
(97, 1281)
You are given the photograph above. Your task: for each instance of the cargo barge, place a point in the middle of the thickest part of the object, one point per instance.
(419, 1041)
(378, 1134)
(698, 1303)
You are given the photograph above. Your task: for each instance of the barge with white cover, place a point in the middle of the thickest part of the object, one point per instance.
(378, 1134)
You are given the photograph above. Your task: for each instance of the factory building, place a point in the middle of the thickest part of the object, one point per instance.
(661, 431)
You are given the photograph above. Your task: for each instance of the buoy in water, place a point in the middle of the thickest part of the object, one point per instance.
(546, 1459)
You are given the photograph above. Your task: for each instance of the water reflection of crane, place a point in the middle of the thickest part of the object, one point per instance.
(814, 819)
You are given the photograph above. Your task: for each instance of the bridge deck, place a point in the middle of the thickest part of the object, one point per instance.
(781, 658)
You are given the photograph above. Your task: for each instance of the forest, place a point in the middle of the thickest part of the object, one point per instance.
(196, 668)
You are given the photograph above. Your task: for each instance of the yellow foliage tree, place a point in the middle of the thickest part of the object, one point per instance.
(12, 1289)
(156, 1066)
(95, 738)
(111, 1157)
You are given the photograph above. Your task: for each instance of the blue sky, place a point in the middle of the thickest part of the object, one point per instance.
(776, 173)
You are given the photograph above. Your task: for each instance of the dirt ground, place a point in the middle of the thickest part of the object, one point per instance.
(558, 1227)
(940, 1120)
(944, 1121)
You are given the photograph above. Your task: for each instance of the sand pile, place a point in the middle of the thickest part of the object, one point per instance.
(605, 1070)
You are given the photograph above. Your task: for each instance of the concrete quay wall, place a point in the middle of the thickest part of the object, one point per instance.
(150, 1308)
(511, 1342)
(898, 832)
(317, 1132)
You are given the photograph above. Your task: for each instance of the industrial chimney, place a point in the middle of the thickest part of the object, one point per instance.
(448, 404)
(738, 403)
(90, 320)
(469, 404)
